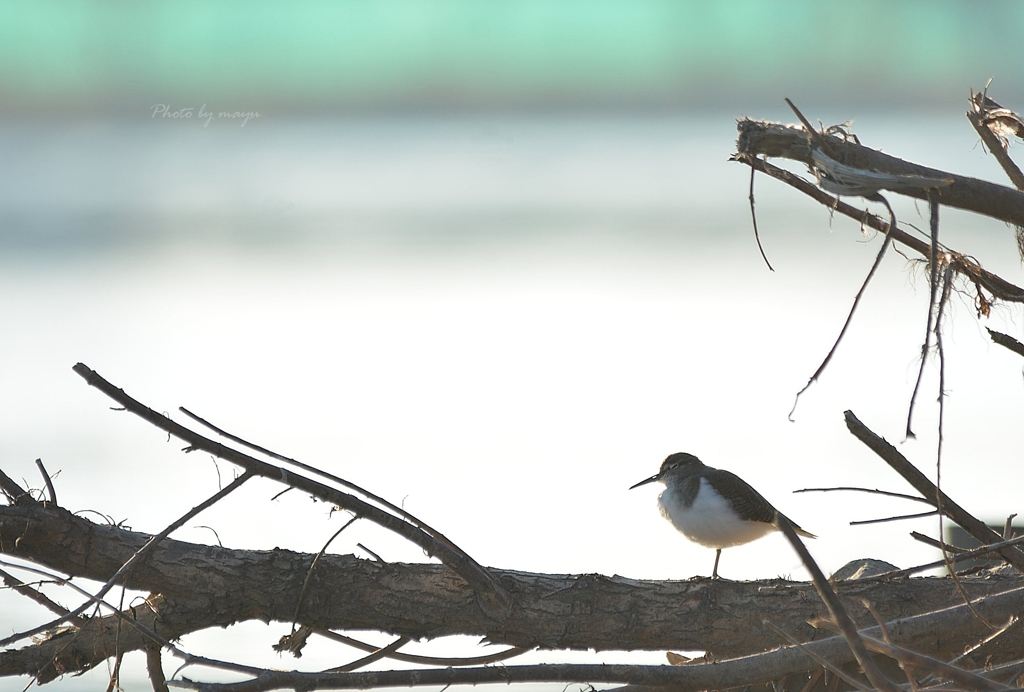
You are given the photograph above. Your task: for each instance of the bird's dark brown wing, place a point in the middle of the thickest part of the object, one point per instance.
(747, 502)
(750, 504)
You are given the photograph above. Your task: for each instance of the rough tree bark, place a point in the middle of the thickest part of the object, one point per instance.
(199, 586)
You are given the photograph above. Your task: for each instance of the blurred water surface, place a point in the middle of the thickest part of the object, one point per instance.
(502, 322)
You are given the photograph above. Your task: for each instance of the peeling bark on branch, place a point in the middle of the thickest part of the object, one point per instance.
(757, 138)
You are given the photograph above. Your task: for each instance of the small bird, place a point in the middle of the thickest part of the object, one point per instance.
(712, 507)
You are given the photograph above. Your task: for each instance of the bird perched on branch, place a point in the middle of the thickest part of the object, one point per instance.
(712, 507)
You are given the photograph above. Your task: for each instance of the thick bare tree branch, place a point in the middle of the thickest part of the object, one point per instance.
(199, 586)
(763, 139)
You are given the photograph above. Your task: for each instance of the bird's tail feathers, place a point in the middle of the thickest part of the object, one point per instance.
(805, 534)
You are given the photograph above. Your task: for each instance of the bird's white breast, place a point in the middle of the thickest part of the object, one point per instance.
(709, 521)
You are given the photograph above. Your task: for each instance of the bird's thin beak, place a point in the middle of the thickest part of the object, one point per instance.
(646, 481)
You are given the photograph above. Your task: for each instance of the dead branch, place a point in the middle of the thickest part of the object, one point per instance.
(760, 139)
(753, 220)
(933, 309)
(426, 660)
(900, 517)
(198, 586)
(870, 491)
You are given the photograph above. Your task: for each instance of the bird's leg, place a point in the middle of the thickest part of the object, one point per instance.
(714, 572)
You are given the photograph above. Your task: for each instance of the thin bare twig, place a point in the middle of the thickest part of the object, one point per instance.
(884, 520)
(427, 660)
(312, 566)
(941, 545)
(856, 300)
(375, 656)
(753, 218)
(872, 491)
(943, 299)
(933, 284)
